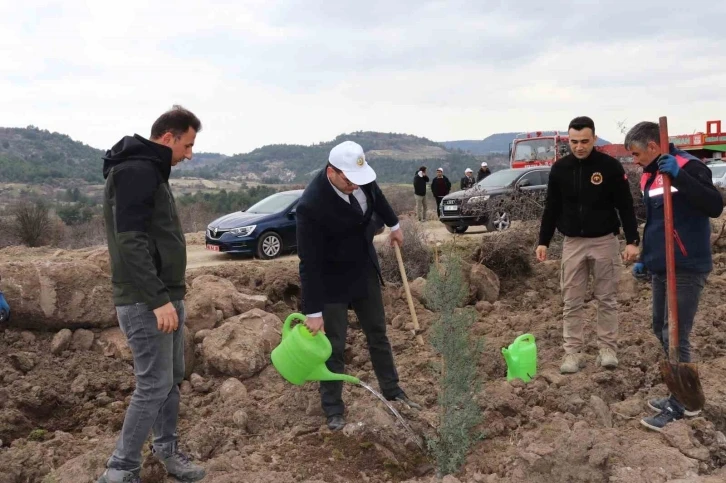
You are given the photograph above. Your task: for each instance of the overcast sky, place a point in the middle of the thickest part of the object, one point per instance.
(303, 71)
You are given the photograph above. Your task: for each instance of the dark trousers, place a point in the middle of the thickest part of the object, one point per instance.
(373, 322)
(689, 286)
(438, 204)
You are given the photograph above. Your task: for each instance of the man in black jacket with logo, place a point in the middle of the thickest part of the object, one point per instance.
(587, 196)
(336, 222)
(695, 200)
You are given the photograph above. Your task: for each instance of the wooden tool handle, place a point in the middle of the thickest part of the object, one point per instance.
(673, 341)
(419, 339)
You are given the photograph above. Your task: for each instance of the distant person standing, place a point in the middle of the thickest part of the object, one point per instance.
(468, 180)
(587, 197)
(419, 190)
(483, 172)
(148, 264)
(440, 187)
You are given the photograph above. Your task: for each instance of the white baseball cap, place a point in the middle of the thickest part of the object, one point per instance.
(349, 158)
(440, 169)
(468, 170)
(484, 165)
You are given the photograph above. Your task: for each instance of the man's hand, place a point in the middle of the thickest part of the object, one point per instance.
(631, 253)
(639, 271)
(541, 252)
(4, 309)
(166, 318)
(396, 237)
(667, 164)
(315, 324)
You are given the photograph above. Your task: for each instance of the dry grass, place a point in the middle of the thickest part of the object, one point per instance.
(401, 198)
(415, 253)
(633, 171)
(510, 253)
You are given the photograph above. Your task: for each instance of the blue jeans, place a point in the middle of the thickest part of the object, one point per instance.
(689, 286)
(159, 369)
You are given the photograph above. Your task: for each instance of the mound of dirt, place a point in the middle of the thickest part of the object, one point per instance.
(54, 295)
(63, 395)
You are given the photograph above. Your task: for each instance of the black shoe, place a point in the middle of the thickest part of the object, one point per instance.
(658, 405)
(336, 422)
(402, 398)
(658, 422)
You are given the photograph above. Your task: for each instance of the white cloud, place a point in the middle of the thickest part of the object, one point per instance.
(305, 71)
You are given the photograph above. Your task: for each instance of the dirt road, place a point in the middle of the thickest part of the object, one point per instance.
(198, 256)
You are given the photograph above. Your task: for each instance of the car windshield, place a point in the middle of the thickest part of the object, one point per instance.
(718, 171)
(273, 204)
(500, 179)
(534, 149)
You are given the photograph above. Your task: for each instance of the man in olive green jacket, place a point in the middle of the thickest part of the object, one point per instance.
(148, 262)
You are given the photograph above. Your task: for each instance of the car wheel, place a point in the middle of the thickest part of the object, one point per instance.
(456, 229)
(269, 245)
(499, 221)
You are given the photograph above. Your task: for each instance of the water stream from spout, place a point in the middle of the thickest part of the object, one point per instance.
(403, 422)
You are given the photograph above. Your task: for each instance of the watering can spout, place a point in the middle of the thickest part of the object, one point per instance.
(507, 356)
(321, 373)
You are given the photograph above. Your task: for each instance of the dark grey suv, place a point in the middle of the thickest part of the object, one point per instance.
(490, 202)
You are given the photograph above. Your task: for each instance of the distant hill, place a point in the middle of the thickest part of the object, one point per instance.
(496, 143)
(202, 160)
(395, 157)
(32, 155)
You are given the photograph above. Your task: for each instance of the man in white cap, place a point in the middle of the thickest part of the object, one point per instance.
(483, 172)
(336, 221)
(440, 187)
(468, 180)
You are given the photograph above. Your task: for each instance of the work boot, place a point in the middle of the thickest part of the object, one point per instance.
(336, 422)
(570, 363)
(119, 476)
(607, 358)
(660, 404)
(178, 464)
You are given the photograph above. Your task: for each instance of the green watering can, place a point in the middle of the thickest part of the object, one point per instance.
(521, 358)
(301, 356)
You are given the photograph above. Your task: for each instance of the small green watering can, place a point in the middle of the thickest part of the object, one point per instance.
(521, 358)
(301, 356)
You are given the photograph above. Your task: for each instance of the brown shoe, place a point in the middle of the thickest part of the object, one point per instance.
(571, 363)
(607, 358)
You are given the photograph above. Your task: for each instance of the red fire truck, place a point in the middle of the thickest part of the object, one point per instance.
(543, 148)
(708, 145)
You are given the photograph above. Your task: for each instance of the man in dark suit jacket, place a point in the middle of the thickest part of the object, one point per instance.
(337, 218)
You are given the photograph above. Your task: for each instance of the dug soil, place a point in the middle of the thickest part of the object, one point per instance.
(61, 409)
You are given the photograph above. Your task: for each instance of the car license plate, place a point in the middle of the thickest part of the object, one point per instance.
(450, 207)
(214, 248)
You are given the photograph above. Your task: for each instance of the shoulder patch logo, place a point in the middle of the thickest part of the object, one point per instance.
(596, 178)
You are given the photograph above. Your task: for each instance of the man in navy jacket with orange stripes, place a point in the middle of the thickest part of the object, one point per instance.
(695, 200)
